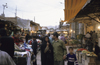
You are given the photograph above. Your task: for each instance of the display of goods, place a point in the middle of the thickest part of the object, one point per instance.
(81, 49)
(91, 54)
(85, 51)
(75, 42)
(80, 36)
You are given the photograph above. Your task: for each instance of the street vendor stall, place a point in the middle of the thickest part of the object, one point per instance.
(85, 57)
(22, 54)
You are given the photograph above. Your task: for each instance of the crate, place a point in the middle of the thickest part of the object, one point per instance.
(91, 59)
(80, 57)
(91, 63)
(84, 56)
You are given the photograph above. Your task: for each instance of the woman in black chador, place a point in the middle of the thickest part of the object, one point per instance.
(47, 52)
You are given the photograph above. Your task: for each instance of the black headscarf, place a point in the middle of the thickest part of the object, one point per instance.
(3, 32)
(45, 42)
(46, 58)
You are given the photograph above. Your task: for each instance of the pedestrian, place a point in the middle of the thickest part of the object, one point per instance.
(5, 59)
(27, 38)
(47, 52)
(7, 43)
(89, 45)
(50, 38)
(91, 32)
(94, 37)
(88, 35)
(62, 38)
(17, 39)
(34, 47)
(71, 57)
(97, 49)
(59, 50)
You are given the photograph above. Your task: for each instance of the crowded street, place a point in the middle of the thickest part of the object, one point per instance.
(39, 59)
(49, 32)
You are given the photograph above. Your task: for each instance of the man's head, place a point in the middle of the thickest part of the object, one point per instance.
(94, 31)
(71, 50)
(34, 37)
(17, 35)
(3, 32)
(55, 35)
(96, 43)
(49, 34)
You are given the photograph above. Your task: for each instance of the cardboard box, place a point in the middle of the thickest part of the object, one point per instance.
(91, 63)
(91, 59)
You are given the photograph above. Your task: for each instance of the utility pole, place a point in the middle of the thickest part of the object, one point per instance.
(34, 18)
(4, 8)
(16, 12)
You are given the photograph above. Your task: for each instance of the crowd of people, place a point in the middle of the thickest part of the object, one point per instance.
(53, 49)
(91, 42)
(90, 39)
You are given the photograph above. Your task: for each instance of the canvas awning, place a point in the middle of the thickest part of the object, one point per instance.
(23, 23)
(72, 7)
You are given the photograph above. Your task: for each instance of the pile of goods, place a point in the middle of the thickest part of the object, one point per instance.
(91, 54)
(75, 42)
(85, 51)
(80, 36)
(81, 49)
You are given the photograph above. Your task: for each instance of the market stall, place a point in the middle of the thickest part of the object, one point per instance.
(85, 57)
(22, 54)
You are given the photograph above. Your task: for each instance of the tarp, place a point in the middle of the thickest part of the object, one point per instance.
(72, 7)
(23, 23)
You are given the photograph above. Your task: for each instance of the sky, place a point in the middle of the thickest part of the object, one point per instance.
(46, 12)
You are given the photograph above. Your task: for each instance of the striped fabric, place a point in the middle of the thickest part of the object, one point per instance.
(71, 59)
(5, 59)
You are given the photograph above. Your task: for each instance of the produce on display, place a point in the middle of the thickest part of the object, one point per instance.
(81, 49)
(75, 42)
(85, 51)
(91, 54)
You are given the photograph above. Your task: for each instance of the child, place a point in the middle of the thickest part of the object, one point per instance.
(71, 57)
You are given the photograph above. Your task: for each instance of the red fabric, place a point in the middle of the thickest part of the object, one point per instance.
(17, 40)
(82, 49)
(30, 43)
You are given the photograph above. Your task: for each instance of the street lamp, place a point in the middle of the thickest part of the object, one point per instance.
(4, 6)
(71, 30)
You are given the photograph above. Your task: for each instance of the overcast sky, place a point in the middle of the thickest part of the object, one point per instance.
(46, 12)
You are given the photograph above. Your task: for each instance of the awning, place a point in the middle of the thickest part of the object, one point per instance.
(72, 7)
(23, 23)
(90, 12)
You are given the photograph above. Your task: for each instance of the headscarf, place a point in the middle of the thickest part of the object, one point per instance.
(3, 32)
(45, 42)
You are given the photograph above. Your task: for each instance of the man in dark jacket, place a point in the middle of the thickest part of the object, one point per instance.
(27, 38)
(7, 43)
(89, 45)
(34, 47)
(97, 49)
